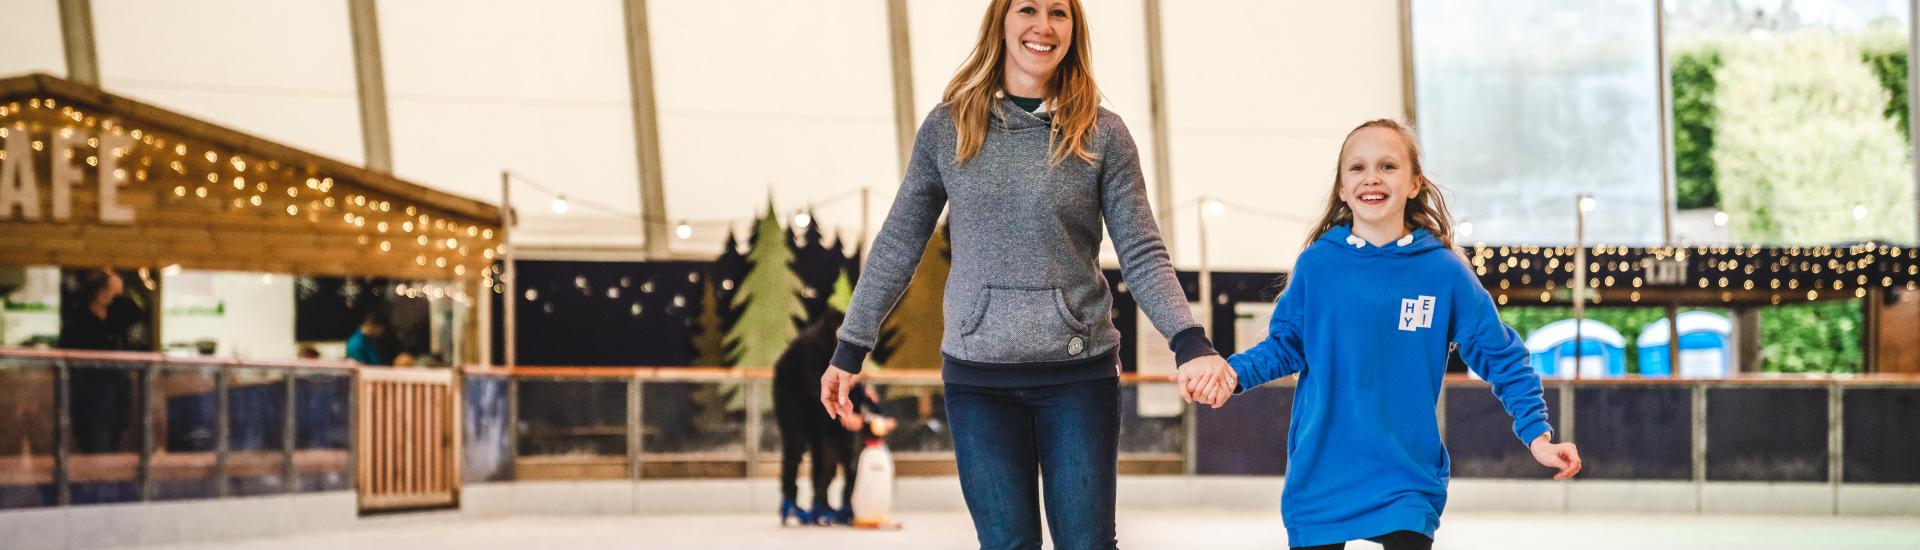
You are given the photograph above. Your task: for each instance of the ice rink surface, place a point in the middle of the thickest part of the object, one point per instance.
(1196, 529)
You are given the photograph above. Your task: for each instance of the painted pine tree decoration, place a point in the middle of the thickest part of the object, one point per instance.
(910, 337)
(710, 336)
(768, 298)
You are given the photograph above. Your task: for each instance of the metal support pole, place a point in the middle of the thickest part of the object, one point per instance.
(1664, 78)
(1566, 436)
(357, 434)
(76, 35)
(148, 384)
(646, 129)
(633, 427)
(289, 428)
(513, 423)
(1668, 190)
(222, 431)
(1162, 150)
(1190, 423)
(509, 339)
(754, 408)
(1913, 99)
(1579, 280)
(900, 47)
(1206, 271)
(1699, 452)
(370, 79)
(1836, 440)
(1409, 93)
(62, 433)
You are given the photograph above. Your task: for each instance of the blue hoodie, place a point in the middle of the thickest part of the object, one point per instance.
(1368, 329)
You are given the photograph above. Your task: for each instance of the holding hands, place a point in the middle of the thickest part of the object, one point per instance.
(1208, 380)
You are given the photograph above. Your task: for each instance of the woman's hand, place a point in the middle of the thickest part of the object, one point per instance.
(1556, 455)
(834, 386)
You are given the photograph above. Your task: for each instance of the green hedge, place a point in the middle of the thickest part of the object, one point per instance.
(1890, 67)
(1694, 118)
(1628, 320)
(1815, 337)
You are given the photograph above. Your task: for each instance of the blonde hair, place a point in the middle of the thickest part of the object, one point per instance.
(970, 97)
(1427, 211)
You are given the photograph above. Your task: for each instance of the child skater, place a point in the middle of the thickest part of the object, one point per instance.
(1376, 299)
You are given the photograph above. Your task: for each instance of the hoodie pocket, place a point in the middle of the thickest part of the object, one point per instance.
(1023, 325)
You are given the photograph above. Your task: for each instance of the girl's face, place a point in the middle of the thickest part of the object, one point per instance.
(1038, 35)
(1376, 180)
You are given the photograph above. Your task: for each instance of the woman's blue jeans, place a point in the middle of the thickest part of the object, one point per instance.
(1011, 444)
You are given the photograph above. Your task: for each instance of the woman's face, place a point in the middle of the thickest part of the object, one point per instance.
(1039, 33)
(1376, 179)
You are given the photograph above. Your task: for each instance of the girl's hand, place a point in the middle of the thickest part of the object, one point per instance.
(1556, 455)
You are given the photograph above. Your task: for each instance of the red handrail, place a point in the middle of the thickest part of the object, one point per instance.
(156, 357)
(659, 373)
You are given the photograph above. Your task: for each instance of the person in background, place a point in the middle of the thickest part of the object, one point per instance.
(364, 346)
(102, 398)
(805, 428)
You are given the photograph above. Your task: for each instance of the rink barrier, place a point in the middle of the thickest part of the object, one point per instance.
(407, 434)
(634, 423)
(170, 428)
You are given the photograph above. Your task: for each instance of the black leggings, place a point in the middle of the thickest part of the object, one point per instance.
(1397, 540)
(831, 447)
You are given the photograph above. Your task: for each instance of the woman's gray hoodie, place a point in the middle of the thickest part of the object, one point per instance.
(1026, 304)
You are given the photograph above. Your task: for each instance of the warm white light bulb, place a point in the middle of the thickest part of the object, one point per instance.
(560, 204)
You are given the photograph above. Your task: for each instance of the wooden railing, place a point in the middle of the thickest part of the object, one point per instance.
(409, 439)
(594, 440)
(194, 427)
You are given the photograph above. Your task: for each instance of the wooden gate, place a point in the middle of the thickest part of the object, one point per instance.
(408, 430)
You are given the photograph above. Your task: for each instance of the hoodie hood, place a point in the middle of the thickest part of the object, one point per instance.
(1010, 116)
(1341, 237)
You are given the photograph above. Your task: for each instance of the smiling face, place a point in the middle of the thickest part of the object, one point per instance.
(1038, 36)
(1376, 178)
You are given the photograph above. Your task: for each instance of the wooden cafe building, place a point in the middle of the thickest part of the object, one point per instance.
(89, 179)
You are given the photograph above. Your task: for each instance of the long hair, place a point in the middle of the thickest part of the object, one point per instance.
(1071, 92)
(1427, 211)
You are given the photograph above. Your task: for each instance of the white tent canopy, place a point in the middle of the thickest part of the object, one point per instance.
(756, 99)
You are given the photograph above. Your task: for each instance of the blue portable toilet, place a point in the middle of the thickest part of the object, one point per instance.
(1603, 351)
(1706, 344)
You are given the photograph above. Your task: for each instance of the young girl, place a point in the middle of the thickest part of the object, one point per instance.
(1375, 300)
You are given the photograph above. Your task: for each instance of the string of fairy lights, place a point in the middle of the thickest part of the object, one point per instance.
(1748, 273)
(192, 177)
(195, 177)
(561, 203)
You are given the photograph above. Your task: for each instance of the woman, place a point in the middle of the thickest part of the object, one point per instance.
(1029, 166)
